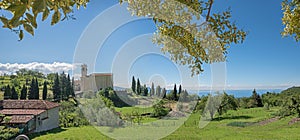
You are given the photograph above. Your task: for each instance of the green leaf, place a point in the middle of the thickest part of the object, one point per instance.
(32, 20)
(38, 6)
(29, 29)
(4, 20)
(45, 14)
(21, 35)
(17, 10)
(14, 22)
(55, 17)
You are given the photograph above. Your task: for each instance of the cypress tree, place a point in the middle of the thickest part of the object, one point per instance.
(73, 87)
(14, 94)
(152, 92)
(158, 91)
(23, 93)
(36, 90)
(133, 84)
(31, 93)
(68, 87)
(259, 101)
(256, 100)
(7, 93)
(164, 93)
(138, 87)
(56, 89)
(63, 86)
(179, 90)
(145, 92)
(174, 94)
(45, 91)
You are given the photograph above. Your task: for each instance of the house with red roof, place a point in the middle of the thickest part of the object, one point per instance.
(31, 115)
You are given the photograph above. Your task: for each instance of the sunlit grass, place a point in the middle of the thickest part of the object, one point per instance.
(216, 129)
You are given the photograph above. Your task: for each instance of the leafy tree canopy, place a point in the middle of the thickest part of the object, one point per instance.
(25, 12)
(189, 42)
(291, 18)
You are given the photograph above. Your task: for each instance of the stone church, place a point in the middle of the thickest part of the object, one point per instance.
(94, 81)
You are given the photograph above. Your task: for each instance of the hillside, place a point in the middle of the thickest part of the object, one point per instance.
(291, 91)
(24, 77)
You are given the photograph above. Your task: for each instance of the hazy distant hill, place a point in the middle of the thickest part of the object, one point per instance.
(119, 88)
(291, 91)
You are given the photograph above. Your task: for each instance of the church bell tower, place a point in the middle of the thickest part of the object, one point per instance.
(83, 70)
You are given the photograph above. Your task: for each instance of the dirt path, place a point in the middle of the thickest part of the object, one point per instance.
(265, 122)
(294, 120)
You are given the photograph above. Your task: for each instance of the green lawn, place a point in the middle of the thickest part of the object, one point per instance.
(216, 129)
(75, 133)
(140, 110)
(219, 129)
(129, 110)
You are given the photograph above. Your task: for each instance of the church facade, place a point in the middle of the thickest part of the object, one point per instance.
(93, 82)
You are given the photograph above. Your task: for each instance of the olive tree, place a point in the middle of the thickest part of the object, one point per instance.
(291, 18)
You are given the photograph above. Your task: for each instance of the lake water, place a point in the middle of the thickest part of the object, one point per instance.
(241, 93)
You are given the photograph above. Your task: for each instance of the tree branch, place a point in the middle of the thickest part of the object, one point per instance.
(209, 9)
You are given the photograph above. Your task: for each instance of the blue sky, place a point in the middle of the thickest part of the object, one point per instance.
(264, 60)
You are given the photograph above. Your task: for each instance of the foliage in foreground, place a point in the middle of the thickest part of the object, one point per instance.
(7, 132)
(100, 112)
(291, 18)
(186, 41)
(219, 103)
(70, 115)
(288, 101)
(111, 95)
(25, 13)
(159, 110)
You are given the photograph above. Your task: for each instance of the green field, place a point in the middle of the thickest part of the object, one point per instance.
(75, 133)
(241, 124)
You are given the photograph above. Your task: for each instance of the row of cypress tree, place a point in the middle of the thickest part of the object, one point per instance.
(158, 91)
(62, 89)
(26, 93)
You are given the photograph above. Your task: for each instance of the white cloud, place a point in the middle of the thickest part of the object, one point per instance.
(41, 67)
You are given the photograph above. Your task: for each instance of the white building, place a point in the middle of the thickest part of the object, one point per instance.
(31, 115)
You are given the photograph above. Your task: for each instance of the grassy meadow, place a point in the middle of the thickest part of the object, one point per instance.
(242, 124)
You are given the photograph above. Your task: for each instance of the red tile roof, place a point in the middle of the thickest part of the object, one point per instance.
(28, 104)
(20, 119)
(21, 111)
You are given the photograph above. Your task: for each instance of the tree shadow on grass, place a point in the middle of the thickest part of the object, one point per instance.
(53, 131)
(231, 118)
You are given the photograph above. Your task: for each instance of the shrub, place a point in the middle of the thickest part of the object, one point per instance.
(8, 133)
(70, 115)
(159, 110)
(97, 112)
(266, 106)
(89, 95)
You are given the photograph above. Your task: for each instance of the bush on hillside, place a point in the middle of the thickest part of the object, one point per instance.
(8, 133)
(70, 115)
